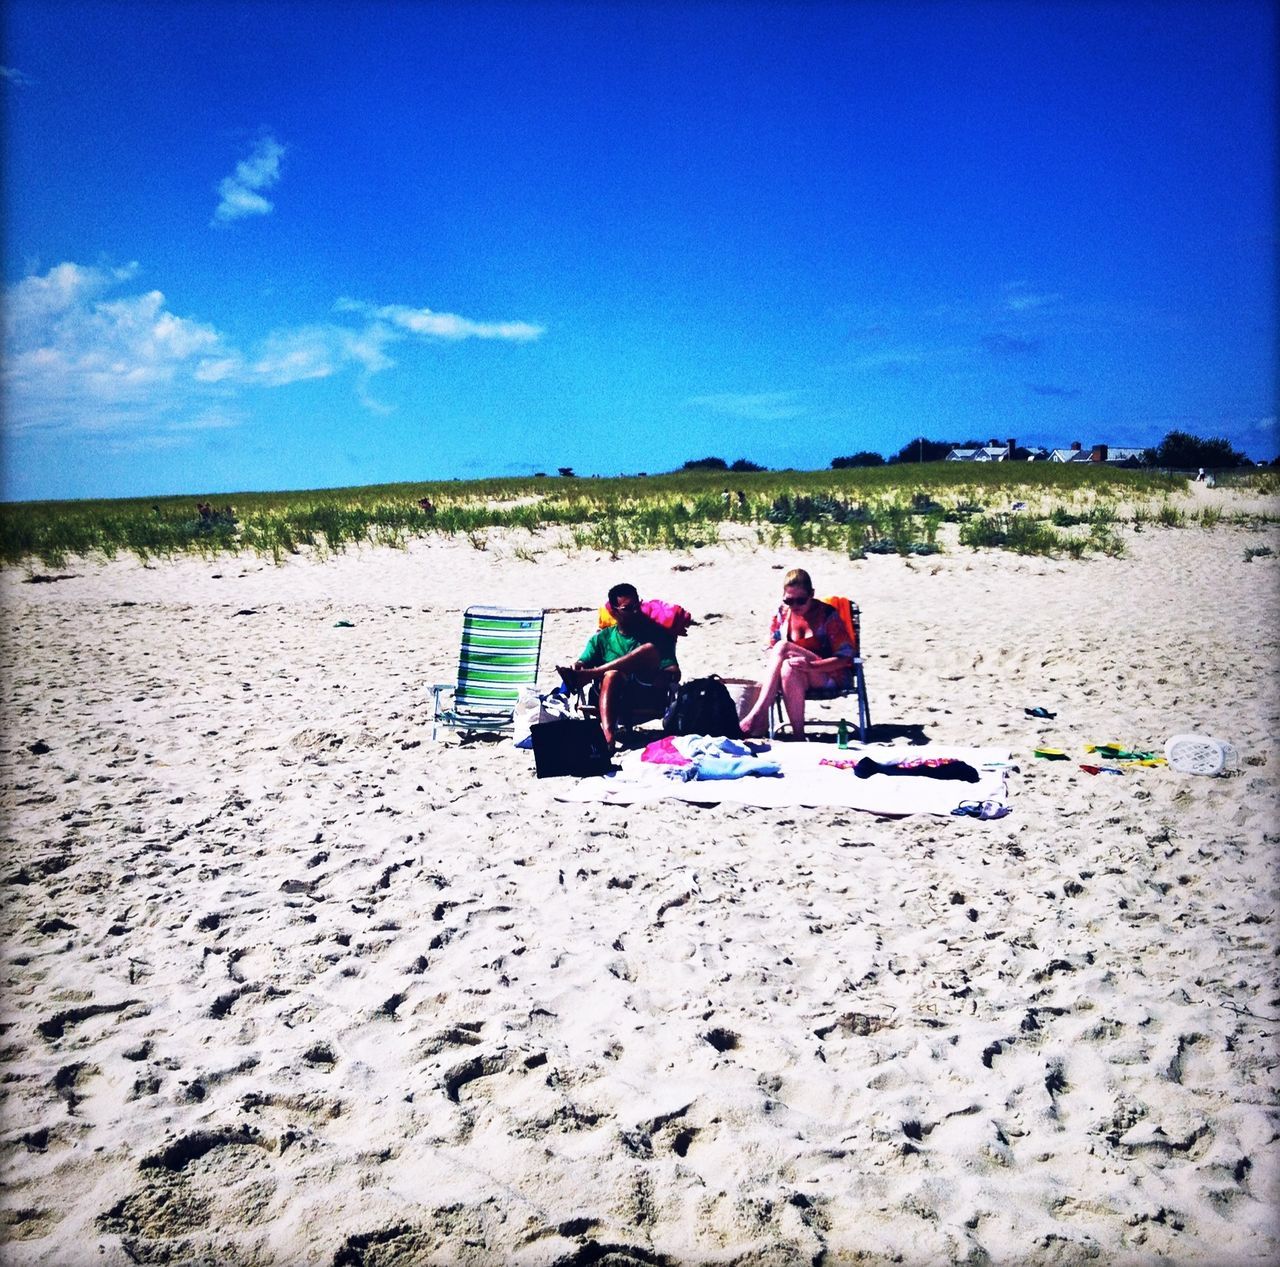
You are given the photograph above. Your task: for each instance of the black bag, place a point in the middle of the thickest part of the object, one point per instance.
(703, 707)
(573, 746)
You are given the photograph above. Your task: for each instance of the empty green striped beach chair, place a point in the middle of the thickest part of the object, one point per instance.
(498, 659)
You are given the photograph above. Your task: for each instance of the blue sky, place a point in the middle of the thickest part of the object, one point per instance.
(273, 245)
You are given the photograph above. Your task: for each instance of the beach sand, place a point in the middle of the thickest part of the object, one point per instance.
(285, 981)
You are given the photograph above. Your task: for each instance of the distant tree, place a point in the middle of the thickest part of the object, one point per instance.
(567, 472)
(865, 458)
(1182, 452)
(922, 450)
(742, 465)
(706, 464)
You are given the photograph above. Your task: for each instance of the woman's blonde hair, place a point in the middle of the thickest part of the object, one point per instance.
(800, 578)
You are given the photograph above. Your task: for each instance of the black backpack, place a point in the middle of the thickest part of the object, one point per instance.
(703, 707)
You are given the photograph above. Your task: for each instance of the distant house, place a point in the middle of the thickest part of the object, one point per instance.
(1074, 454)
(992, 452)
(1125, 456)
(1112, 455)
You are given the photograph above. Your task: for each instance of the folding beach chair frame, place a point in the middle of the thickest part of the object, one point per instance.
(858, 687)
(497, 659)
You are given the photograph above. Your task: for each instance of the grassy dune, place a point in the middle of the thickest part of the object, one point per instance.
(893, 509)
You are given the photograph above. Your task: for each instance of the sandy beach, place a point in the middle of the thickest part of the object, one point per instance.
(287, 982)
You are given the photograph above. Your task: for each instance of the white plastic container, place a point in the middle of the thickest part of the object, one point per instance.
(1198, 754)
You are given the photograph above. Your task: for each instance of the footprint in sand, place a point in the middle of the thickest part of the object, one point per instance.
(219, 1178)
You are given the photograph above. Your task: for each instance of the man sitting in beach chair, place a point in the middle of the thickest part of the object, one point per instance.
(630, 664)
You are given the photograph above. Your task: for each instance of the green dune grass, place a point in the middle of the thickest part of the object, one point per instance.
(890, 509)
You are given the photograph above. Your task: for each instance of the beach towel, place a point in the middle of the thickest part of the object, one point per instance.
(805, 781)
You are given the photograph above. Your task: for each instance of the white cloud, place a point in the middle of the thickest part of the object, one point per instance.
(78, 359)
(1017, 298)
(754, 407)
(443, 325)
(239, 193)
(10, 74)
(293, 356)
(74, 357)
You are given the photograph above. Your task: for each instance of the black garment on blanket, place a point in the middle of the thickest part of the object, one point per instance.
(946, 768)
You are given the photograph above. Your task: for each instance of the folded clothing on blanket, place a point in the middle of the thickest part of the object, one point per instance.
(926, 767)
(690, 757)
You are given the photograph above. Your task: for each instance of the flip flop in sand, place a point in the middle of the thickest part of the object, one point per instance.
(1039, 712)
(1051, 754)
(984, 810)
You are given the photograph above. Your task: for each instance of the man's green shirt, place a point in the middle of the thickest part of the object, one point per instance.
(611, 643)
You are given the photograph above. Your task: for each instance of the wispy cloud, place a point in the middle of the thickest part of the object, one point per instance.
(1049, 389)
(240, 193)
(81, 356)
(441, 325)
(752, 406)
(1019, 298)
(11, 75)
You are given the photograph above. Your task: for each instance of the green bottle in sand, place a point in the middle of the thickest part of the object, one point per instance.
(842, 734)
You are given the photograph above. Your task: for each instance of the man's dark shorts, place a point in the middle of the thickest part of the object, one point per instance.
(640, 694)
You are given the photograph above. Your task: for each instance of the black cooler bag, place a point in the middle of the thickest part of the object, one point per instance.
(574, 746)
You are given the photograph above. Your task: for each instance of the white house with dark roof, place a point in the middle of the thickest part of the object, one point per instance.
(1112, 455)
(987, 453)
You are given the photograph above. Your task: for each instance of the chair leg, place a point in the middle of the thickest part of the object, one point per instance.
(864, 709)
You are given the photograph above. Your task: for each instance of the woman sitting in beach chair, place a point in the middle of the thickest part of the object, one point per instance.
(810, 650)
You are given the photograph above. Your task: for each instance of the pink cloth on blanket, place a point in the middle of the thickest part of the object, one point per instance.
(664, 752)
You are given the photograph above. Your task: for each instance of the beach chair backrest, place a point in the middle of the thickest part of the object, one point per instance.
(499, 656)
(852, 618)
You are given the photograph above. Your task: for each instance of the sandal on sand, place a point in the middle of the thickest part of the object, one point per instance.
(981, 809)
(1039, 712)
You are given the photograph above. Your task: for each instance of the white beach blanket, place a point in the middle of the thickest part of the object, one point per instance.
(805, 781)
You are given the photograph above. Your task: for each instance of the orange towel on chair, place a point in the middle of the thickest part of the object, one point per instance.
(845, 608)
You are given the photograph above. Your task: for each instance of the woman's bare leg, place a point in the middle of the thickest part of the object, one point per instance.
(795, 681)
(781, 667)
(768, 689)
